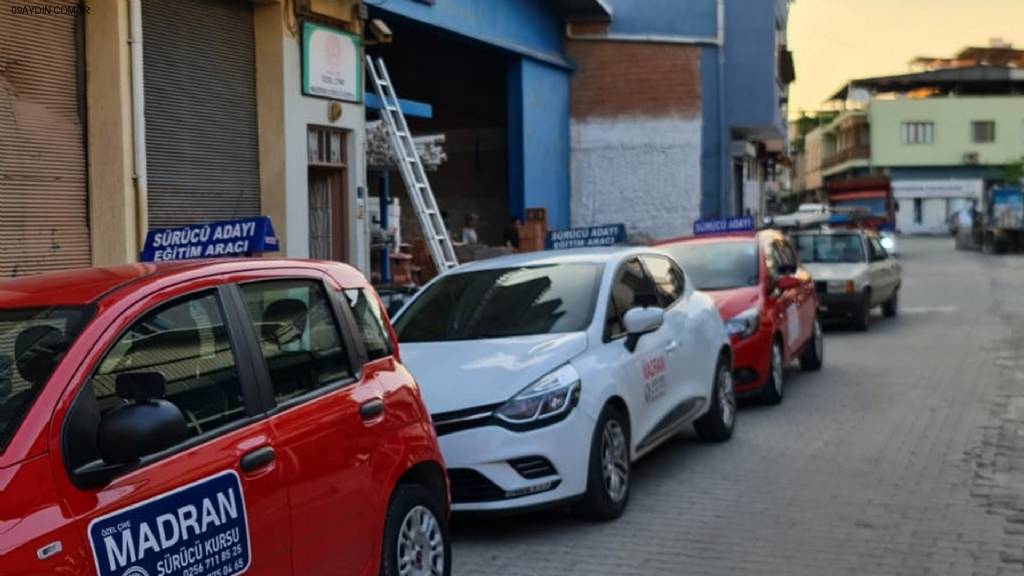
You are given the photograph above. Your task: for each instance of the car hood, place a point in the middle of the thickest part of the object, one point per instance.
(845, 271)
(469, 373)
(732, 302)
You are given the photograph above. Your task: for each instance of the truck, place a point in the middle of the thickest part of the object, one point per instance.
(1000, 227)
(872, 194)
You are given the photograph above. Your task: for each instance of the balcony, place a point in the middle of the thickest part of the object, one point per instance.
(853, 153)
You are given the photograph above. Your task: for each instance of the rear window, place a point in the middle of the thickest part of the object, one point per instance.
(32, 344)
(503, 302)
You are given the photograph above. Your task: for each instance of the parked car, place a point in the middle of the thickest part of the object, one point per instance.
(853, 273)
(766, 299)
(212, 417)
(547, 374)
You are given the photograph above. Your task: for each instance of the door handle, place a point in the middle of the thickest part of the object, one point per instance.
(671, 347)
(256, 459)
(371, 409)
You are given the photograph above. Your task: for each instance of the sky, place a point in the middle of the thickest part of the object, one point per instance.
(834, 41)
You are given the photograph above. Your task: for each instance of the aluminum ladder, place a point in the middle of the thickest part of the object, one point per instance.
(411, 168)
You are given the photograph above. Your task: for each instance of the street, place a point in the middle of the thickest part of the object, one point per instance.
(903, 456)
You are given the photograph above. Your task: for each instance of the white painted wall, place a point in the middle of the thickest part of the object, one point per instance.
(642, 172)
(300, 113)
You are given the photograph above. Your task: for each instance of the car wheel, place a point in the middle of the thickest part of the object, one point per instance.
(415, 535)
(718, 423)
(772, 391)
(814, 356)
(891, 308)
(608, 479)
(862, 314)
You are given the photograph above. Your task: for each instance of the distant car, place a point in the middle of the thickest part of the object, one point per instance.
(547, 374)
(853, 272)
(212, 418)
(766, 299)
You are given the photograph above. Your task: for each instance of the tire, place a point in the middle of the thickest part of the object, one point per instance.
(891, 308)
(720, 420)
(772, 392)
(416, 532)
(606, 498)
(813, 356)
(862, 315)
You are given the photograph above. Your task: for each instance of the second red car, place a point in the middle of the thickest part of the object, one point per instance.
(766, 299)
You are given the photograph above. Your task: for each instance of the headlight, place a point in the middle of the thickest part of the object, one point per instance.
(554, 394)
(888, 242)
(744, 324)
(842, 287)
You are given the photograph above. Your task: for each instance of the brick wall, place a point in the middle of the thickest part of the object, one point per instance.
(634, 78)
(636, 137)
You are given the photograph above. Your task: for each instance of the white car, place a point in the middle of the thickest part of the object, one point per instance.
(852, 271)
(548, 374)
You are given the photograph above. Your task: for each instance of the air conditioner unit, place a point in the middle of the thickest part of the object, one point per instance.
(971, 158)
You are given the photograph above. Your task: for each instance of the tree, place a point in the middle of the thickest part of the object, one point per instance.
(1013, 174)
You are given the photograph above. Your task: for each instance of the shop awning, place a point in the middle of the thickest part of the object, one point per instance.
(584, 10)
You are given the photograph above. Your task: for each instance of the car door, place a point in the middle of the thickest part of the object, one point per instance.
(216, 503)
(883, 280)
(806, 298)
(681, 348)
(784, 304)
(643, 373)
(326, 418)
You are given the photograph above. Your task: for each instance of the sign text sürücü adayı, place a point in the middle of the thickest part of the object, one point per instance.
(211, 240)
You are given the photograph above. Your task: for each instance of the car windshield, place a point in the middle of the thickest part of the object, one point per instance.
(830, 248)
(718, 266)
(503, 302)
(32, 343)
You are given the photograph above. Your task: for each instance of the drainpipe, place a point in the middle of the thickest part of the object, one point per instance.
(138, 122)
(725, 167)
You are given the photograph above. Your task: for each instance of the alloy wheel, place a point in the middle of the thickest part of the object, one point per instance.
(726, 397)
(615, 460)
(420, 544)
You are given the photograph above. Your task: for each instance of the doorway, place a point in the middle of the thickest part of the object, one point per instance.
(328, 194)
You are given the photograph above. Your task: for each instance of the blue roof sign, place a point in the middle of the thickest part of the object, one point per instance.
(723, 225)
(211, 240)
(608, 235)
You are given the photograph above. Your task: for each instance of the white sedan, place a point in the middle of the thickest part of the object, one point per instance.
(548, 374)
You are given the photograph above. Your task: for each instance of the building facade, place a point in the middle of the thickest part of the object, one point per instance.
(678, 112)
(168, 113)
(941, 137)
(493, 77)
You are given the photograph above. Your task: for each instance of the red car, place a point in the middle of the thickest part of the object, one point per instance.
(212, 418)
(766, 299)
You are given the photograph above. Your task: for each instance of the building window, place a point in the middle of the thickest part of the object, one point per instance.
(917, 132)
(983, 132)
(918, 210)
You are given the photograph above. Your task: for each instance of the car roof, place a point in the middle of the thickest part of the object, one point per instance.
(573, 256)
(87, 285)
(711, 239)
(828, 231)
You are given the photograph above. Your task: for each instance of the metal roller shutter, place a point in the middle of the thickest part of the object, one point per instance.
(200, 88)
(44, 219)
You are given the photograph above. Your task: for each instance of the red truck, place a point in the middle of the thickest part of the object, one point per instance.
(871, 192)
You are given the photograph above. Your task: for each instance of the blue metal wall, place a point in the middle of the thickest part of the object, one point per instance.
(664, 17)
(538, 144)
(752, 91)
(527, 27)
(539, 77)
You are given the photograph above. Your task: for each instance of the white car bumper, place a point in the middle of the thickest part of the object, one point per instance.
(482, 464)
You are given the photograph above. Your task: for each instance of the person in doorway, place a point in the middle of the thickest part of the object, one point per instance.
(511, 236)
(469, 235)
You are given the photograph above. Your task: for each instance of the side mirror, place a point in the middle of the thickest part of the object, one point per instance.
(147, 424)
(640, 321)
(787, 283)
